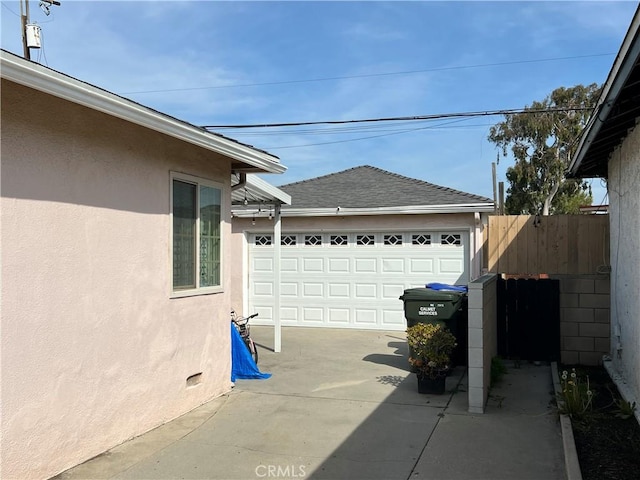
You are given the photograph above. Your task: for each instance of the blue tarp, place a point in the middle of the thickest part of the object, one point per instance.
(242, 364)
(444, 286)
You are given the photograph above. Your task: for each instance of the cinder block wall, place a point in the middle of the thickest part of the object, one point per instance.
(483, 339)
(584, 318)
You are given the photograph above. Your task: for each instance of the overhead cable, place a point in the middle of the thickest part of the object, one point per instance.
(368, 75)
(405, 119)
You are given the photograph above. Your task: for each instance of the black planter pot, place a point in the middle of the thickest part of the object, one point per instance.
(426, 384)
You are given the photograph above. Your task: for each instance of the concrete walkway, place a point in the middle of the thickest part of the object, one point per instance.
(341, 404)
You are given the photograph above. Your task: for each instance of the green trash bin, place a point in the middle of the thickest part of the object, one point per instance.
(449, 308)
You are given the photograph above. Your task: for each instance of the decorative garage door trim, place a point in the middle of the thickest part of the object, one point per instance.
(351, 279)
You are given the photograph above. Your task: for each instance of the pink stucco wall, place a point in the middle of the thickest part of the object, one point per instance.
(94, 350)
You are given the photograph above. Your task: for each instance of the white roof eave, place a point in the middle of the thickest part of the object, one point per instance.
(258, 184)
(622, 65)
(406, 210)
(260, 192)
(44, 79)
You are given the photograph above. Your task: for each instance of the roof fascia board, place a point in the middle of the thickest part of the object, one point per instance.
(625, 61)
(417, 210)
(264, 187)
(40, 78)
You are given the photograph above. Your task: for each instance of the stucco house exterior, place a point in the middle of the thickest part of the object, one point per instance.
(610, 148)
(351, 242)
(116, 267)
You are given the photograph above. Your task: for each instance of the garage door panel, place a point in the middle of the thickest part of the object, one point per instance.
(312, 290)
(365, 290)
(339, 290)
(312, 265)
(451, 265)
(339, 265)
(265, 314)
(365, 316)
(393, 318)
(263, 288)
(338, 315)
(312, 315)
(261, 264)
(393, 265)
(365, 265)
(289, 289)
(422, 265)
(289, 265)
(392, 291)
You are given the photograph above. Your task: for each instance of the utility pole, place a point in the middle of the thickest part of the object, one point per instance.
(24, 20)
(495, 193)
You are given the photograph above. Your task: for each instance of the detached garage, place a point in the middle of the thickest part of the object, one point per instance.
(350, 244)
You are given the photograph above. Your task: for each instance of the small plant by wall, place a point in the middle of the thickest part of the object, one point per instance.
(498, 369)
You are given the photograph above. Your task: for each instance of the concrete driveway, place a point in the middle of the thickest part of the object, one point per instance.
(341, 404)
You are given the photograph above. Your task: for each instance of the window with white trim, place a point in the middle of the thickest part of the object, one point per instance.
(365, 240)
(288, 240)
(421, 239)
(392, 239)
(339, 240)
(263, 240)
(450, 239)
(196, 234)
(313, 240)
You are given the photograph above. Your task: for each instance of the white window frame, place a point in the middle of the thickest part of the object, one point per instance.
(198, 182)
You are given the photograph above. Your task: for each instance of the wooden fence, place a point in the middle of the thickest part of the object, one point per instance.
(556, 244)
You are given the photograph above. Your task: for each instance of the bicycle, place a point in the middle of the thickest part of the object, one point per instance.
(242, 325)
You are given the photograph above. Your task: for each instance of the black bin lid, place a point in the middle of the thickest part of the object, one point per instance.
(422, 293)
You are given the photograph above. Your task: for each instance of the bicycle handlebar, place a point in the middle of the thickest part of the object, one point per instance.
(236, 318)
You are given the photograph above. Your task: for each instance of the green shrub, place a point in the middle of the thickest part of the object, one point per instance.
(432, 346)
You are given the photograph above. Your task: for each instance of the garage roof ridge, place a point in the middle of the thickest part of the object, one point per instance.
(424, 182)
(372, 187)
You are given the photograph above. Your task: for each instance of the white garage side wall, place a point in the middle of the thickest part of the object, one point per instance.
(624, 217)
(94, 350)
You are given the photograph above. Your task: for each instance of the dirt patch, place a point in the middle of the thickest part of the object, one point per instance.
(608, 447)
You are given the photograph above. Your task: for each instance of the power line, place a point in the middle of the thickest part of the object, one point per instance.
(345, 130)
(397, 132)
(7, 7)
(405, 119)
(368, 75)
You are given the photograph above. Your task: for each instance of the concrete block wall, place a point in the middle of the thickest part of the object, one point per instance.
(483, 339)
(584, 318)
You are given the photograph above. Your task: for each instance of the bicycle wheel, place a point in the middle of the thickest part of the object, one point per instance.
(254, 350)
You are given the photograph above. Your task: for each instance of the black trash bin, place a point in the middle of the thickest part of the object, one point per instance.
(449, 308)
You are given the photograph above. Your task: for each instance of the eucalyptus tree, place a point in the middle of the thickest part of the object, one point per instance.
(542, 138)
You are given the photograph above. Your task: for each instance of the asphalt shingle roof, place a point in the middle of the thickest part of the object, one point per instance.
(371, 187)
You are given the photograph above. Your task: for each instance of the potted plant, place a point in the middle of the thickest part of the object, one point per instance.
(431, 345)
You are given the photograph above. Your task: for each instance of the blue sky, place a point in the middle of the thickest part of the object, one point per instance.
(223, 62)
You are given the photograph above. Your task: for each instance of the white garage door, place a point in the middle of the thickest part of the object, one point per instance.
(351, 280)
